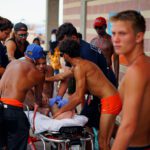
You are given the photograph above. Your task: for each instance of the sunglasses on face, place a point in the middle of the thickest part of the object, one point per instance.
(23, 35)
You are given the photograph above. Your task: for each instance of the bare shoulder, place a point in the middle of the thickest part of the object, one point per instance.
(139, 70)
(95, 38)
(10, 43)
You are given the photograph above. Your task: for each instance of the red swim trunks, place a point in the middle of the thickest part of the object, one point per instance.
(111, 104)
(12, 102)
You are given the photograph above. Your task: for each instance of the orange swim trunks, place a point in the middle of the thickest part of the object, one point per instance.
(12, 102)
(111, 104)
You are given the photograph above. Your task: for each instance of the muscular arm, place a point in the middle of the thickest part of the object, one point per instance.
(38, 94)
(48, 86)
(78, 96)
(60, 76)
(36, 79)
(11, 47)
(133, 92)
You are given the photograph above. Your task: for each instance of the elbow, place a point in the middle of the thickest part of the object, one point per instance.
(129, 128)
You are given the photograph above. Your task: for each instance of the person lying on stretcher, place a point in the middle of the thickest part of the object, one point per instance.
(51, 109)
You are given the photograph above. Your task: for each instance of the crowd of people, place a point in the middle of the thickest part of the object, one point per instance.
(90, 78)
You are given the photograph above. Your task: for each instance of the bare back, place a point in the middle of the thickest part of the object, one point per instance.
(19, 77)
(90, 78)
(137, 79)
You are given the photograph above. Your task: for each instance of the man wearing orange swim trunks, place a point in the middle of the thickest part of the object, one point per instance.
(128, 28)
(18, 78)
(89, 78)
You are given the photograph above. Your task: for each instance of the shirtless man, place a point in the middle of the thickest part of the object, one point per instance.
(18, 78)
(128, 28)
(90, 78)
(104, 43)
(47, 94)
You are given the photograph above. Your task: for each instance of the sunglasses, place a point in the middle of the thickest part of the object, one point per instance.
(23, 35)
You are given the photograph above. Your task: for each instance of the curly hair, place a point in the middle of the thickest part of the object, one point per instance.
(66, 29)
(70, 47)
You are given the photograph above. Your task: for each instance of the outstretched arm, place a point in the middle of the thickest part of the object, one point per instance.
(78, 96)
(11, 47)
(60, 76)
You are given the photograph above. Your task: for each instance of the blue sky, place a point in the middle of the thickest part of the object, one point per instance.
(29, 11)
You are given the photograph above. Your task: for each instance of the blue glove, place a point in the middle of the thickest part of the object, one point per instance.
(62, 103)
(52, 101)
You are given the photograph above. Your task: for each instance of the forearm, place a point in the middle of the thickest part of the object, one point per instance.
(60, 76)
(63, 88)
(123, 138)
(38, 94)
(70, 106)
(54, 109)
(53, 78)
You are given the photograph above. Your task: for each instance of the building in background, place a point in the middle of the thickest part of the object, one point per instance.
(83, 12)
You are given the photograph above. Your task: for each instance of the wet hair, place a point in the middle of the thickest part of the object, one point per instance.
(135, 17)
(70, 47)
(65, 29)
(5, 24)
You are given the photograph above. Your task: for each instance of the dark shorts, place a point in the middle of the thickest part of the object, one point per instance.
(71, 86)
(92, 112)
(139, 148)
(14, 128)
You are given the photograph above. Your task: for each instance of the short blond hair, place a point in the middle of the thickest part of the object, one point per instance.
(135, 17)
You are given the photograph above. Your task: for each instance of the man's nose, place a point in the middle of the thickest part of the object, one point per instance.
(115, 38)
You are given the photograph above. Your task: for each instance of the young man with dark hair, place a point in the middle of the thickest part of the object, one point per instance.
(89, 78)
(128, 28)
(5, 30)
(88, 52)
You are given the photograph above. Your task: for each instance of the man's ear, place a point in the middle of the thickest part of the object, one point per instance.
(66, 56)
(74, 37)
(139, 37)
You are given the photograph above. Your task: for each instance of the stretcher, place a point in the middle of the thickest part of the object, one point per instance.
(64, 134)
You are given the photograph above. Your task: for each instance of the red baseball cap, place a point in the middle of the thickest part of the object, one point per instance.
(100, 21)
